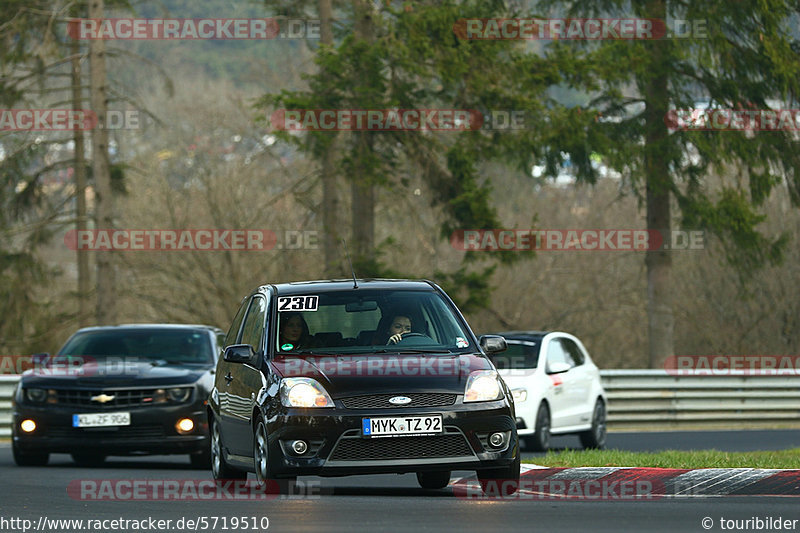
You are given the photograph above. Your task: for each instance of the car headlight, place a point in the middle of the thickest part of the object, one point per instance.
(36, 395)
(179, 395)
(304, 392)
(520, 395)
(483, 386)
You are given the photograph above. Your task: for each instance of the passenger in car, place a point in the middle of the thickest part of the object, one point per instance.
(294, 332)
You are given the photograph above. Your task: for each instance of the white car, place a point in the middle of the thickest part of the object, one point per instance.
(556, 388)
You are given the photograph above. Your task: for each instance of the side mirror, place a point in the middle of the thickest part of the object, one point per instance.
(239, 353)
(39, 359)
(557, 367)
(493, 344)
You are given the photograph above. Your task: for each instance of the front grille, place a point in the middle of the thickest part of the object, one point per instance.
(134, 432)
(381, 401)
(122, 398)
(452, 444)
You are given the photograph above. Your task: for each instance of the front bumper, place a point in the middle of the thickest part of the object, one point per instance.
(151, 431)
(336, 445)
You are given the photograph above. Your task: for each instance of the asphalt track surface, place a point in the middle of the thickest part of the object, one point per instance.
(390, 502)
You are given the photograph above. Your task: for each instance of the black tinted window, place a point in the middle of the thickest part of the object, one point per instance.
(233, 332)
(254, 323)
(574, 352)
(170, 345)
(520, 354)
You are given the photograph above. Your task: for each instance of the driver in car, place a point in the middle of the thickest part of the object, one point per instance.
(400, 324)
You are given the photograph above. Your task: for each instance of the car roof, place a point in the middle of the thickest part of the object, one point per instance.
(522, 335)
(320, 286)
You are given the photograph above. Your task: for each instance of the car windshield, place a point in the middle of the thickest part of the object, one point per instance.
(364, 321)
(520, 354)
(171, 346)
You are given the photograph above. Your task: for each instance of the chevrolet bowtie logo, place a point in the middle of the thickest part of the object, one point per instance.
(102, 398)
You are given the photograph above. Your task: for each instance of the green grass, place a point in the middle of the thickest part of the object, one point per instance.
(671, 459)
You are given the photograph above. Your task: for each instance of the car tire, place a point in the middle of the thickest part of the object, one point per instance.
(264, 477)
(219, 468)
(88, 459)
(433, 480)
(23, 458)
(595, 438)
(500, 482)
(540, 441)
(201, 460)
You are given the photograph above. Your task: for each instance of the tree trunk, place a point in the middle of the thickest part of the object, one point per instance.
(363, 189)
(104, 201)
(330, 195)
(80, 190)
(660, 319)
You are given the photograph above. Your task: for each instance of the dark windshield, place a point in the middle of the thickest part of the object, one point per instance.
(520, 354)
(158, 344)
(369, 321)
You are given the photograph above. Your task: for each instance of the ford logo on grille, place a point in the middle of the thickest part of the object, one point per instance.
(400, 400)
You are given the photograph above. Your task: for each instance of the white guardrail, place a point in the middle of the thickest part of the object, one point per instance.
(7, 384)
(653, 400)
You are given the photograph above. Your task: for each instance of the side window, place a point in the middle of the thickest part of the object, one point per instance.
(574, 352)
(233, 333)
(557, 354)
(254, 323)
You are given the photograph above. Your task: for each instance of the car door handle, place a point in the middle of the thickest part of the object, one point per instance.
(228, 378)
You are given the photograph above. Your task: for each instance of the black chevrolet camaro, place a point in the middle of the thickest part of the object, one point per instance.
(118, 390)
(335, 378)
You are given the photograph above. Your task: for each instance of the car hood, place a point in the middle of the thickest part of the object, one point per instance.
(353, 375)
(100, 374)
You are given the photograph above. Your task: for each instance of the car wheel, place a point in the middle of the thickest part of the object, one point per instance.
(433, 480)
(596, 436)
(23, 458)
(219, 468)
(500, 482)
(202, 460)
(261, 460)
(88, 458)
(540, 441)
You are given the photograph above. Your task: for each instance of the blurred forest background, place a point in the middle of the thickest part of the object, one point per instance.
(205, 156)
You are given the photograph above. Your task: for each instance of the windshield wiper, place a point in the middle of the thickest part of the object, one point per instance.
(412, 351)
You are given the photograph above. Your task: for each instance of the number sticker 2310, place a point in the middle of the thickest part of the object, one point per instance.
(298, 303)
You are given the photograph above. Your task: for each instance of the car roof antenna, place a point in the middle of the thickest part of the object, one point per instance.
(355, 283)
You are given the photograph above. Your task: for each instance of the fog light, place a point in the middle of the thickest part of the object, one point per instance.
(185, 425)
(299, 447)
(496, 440)
(28, 426)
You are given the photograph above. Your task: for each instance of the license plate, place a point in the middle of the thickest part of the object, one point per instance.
(401, 425)
(94, 420)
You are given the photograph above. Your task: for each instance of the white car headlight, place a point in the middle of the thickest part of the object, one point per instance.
(304, 392)
(483, 386)
(520, 395)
